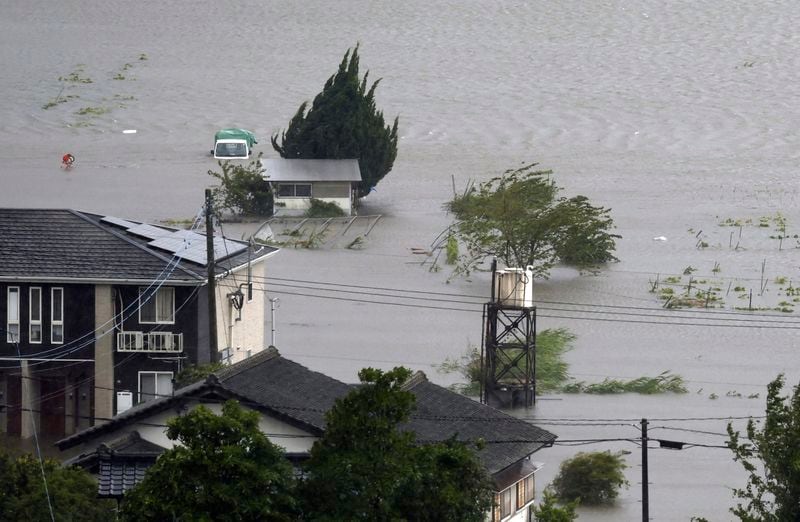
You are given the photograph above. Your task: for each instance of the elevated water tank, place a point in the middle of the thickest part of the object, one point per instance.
(513, 287)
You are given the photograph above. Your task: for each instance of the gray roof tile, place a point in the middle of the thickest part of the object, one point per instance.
(59, 244)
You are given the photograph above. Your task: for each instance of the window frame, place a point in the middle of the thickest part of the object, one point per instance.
(38, 321)
(294, 190)
(511, 491)
(154, 301)
(526, 490)
(53, 321)
(9, 322)
(156, 394)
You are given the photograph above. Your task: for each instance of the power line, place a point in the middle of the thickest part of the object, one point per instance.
(270, 279)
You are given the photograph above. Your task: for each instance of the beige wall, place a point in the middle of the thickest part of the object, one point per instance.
(246, 333)
(103, 353)
(339, 193)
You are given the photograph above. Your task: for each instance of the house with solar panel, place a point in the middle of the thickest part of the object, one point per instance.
(98, 314)
(292, 401)
(295, 182)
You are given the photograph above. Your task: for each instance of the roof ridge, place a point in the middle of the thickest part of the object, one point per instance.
(417, 378)
(235, 369)
(141, 247)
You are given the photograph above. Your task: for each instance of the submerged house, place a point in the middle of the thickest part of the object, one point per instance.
(98, 314)
(292, 401)
(295, 182)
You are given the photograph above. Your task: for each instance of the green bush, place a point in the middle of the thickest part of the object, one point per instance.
(324, 209)
(242, 189)
(591, 478)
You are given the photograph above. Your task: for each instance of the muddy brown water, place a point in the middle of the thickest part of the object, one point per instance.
(677, 116)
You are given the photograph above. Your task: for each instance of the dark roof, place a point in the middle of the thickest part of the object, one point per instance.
(60, 244)
(120, 464)
(311, 170)
(299, 396)
(284, 387)
(441, 413)
(264, 381)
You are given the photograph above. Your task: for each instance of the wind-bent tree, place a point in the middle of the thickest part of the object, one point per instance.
(771, 455)
(343, 123)
(519, 218)
(364, 468)
(224, 469)
(242, 189)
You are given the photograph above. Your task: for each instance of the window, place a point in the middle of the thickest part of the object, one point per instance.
(294, 190)
(525, 491)
(506, 502)
(12, 326)
(226, 355)
(158, 308)
(56, 315)
(35, 306)
(153, 385)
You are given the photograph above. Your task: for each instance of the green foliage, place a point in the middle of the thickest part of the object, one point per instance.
(451, 249)
(224, 469)
(324, 209)
(242, 189)
(551, 370)
(591, 478)
(665, 382)
(519, 218)
(551, 510)
(343, 123)
(449, 483)
(770, 453)
(72, 492)
(365, 468)
(195, 373)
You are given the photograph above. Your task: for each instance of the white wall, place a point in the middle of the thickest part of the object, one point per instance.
(247, 333)
(153, 429)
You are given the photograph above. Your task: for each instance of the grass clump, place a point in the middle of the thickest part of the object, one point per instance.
(451, 249)
(91, 111)
(665, 382)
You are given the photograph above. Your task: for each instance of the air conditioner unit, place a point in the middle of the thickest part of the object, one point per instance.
(513, 287)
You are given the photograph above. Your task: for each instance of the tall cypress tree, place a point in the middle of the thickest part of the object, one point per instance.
(343, 123)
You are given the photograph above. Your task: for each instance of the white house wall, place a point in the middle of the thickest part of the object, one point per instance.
(153, 429)
(247, 333)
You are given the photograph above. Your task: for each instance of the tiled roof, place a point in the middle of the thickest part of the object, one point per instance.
(301, 397)
(117, 476)
(284, 386)
(59, 244)
(441, 413)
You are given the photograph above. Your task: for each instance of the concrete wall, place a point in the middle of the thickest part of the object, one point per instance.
(242, 330)
(103, 353)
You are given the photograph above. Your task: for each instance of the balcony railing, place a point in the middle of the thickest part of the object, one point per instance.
(158, 342)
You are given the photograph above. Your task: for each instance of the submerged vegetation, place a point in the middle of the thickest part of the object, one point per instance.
(552, 372)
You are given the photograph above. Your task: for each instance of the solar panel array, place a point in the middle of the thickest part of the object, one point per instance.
(184, 244)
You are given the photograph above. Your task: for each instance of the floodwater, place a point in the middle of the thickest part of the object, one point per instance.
(677, 115)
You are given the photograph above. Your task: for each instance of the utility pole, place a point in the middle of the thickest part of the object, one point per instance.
(645, 492)
(212, 286)
(273, 301)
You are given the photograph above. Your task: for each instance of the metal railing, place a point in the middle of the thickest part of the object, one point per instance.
(159, 342)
